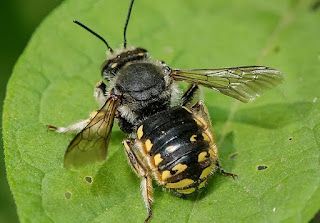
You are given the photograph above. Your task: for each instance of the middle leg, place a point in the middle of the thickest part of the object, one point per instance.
(189, 95)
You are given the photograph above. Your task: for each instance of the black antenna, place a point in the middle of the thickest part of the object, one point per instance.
(94, 33)
(126, 25)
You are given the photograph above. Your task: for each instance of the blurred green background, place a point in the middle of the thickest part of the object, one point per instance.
(18, 19)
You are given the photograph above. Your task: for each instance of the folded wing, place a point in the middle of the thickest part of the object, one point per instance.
(242, 83)
(91, 144)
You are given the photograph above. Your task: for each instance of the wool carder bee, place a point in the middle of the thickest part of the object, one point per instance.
(169, 142)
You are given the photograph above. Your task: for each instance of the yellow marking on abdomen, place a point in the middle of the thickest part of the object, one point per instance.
(165, 175)
(140, 132)
(206, 171)
(193, 138)
(202, 156)
(186, 191)
(203, 184)
(157, 159)
(148, 145)
(179, 184)
(206, 137)
(114, 65)
(179, 168)
(212, 154)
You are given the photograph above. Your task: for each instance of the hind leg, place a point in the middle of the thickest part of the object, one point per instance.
(142, 171)
(224, 172)
(200, 111)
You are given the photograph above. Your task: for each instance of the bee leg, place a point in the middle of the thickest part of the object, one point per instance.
(188, 96)
(100, 92)
(142, 171)
(200, 110)
(100, 96)
(73, 128)
(224, 172)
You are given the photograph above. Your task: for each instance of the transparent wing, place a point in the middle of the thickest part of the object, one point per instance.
(242, 83)
(91, 144)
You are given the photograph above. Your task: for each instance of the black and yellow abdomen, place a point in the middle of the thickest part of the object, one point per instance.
(179, 148)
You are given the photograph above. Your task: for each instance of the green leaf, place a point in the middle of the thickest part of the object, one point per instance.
(53, 83)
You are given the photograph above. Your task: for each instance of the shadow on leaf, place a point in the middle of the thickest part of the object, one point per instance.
(269, 116)
(226, 150)
(114, 171)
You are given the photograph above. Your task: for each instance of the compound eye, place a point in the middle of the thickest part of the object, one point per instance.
(107, 69)
(105, 66)
(108, 66)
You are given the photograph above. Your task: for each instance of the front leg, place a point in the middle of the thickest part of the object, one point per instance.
(73, 128)
(100, 96)
(100, 93)
(142, 171)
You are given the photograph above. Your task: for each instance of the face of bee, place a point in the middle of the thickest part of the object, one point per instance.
(111, 66)
(135, 76)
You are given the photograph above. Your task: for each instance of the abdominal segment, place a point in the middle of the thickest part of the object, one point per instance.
(180, 151)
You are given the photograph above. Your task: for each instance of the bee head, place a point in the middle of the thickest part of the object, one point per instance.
(111, 66)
